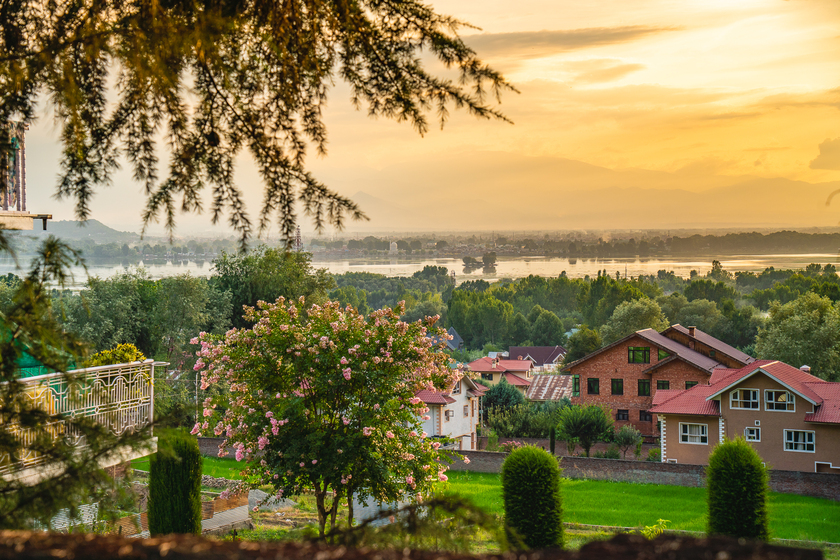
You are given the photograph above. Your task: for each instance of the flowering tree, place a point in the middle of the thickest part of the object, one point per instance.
(324, 399)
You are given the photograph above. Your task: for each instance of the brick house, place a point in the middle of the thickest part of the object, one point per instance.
(492, 370)
(790, 417)
(626, 375)
(454, 414)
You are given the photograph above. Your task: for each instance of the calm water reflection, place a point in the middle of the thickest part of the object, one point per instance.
(505, 268)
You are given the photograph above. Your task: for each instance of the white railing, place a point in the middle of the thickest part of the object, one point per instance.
(120, 397)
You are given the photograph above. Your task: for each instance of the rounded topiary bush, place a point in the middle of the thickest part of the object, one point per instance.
(531, 493)
(175, 486)
(737, 491)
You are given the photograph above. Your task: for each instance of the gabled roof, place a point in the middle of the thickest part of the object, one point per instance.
(700, 398)
(486, 365)
(662, 395)
(549, 387)
(684, 353)
(434, 397)
(789, 376)
(712, 342)
(515, 380)
(540, 355)
(457, 341)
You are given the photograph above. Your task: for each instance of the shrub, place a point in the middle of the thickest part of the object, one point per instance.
(737, 491)
(552, 435)
(654, 455)
(586, 424)
(612, 452)
(532, 500)
(502, 395)
(533, 420)
(175, 486)
(638, 451)
(119, 354)
(493, 441)
(627, 437)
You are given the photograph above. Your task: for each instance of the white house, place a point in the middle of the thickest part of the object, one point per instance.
(454, 414)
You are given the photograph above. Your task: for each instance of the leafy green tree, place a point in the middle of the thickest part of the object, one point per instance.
(323, 400)
(519, 330)
(585, 424)
(264, 274)
(208, 78)
(548, 330)
(703, 314)
(427, 309)
(532, 500)
(502, 395)
(350, 295)
(119, 354)
(175, 486)
(737, 483)
(582, 343)
(803, 332)
(632, 316)
(627, 437)
(710, 290)
(71, 474)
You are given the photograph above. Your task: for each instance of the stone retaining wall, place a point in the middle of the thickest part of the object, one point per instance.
(819, 485)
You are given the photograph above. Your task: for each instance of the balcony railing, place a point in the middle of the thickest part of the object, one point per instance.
(120, 397)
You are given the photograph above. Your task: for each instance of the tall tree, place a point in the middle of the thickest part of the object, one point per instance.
(215, 79)
(805, 331)
(632, 316)
(581, 343)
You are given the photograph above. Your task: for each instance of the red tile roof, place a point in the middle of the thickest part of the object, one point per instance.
(515, 380)
(829, 411)
(485, 365)
(662, 395)
(434, 397)
(692, 401)
(698, 399)
(540, 355)
(549, 388)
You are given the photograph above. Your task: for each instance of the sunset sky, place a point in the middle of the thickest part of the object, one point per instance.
(640, 114)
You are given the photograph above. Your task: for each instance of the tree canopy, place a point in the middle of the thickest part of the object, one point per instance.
(217, 78)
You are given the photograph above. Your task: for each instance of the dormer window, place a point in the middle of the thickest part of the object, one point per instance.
(744, 398)
(456, 390)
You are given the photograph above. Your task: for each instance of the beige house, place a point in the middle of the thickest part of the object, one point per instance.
(790, 417)
(454, 414)
(492, 370)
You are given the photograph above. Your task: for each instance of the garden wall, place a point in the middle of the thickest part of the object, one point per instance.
(819, 485)
(209, 446)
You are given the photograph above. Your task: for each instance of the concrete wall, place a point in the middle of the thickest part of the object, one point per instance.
(819, 485)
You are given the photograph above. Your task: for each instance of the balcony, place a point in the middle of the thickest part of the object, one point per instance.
(119, 396)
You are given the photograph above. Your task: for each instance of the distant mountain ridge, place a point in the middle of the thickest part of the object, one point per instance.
(74, 230)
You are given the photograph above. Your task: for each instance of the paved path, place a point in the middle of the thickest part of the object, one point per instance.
(231, 519)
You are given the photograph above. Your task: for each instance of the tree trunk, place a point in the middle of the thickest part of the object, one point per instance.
(350, 508)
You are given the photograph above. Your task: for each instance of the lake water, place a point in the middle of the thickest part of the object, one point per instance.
(506, 267)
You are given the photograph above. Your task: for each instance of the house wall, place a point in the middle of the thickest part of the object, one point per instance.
(430, 426)
(613, 364)
(459, 425)
(772, 426)
(687, 453)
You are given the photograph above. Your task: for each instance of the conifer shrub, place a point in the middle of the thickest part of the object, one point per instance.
(552, 436)
(532, 500)
(737, 485)
(175, 486)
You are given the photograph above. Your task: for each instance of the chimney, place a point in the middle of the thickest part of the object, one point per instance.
(691, 331)
(806, 369)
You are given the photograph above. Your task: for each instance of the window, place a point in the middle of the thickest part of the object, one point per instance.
(663, 384)
(744, 398)
(799, 440)
(622, 414)
(645, 416)
(466, 410)
(576, 385)
(663, 354)
(779, 400)
(690, 384)
(694, 433)
(593, 386)
(711, 353)
(752, 434)
(448, 414)
(456, 390)
(487, 376)
(638, 355)
(644, 387)
(617, 386)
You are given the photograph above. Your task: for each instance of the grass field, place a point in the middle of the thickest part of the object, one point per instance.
(622, 504)
(213, 466)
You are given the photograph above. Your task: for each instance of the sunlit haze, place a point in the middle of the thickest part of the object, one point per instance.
(644, 114)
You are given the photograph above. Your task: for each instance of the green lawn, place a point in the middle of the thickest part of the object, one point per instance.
(622, 504)
(213, 466)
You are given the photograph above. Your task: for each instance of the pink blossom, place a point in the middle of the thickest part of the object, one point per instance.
(367, 431)
(256, 508)
(376, 406)
(302, 464)
(442, 477)
(435, 444)
(196, 428)
(409, 479)
(414, 400)
(269, 414)
(345, 420)
(262, 442)
(314, 461)
(389, 434)
(346, 372)
(239, 454)
(343, 361)
(194, 340)
(207, 412)
(413, 433)
(466, 460)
